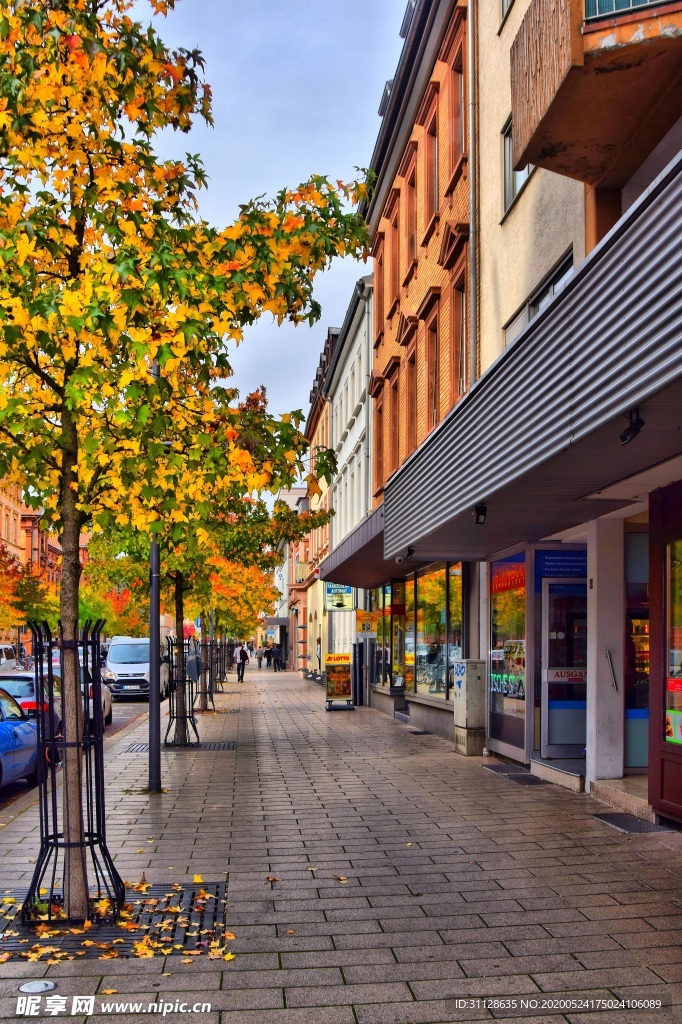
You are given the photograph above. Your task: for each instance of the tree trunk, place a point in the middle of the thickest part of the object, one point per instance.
(206, 654)
(181, 737)
(75, 881)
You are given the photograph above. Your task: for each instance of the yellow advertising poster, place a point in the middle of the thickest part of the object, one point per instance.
(337, 668)
(366, 623)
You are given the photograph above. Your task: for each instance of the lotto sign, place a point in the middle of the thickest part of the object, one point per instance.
(337, 669)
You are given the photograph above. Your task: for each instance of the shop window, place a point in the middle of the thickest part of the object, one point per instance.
(507, 670)
(382, 605)
(432, 372)
(409, 636)
(513, 180)
(459, 339)
(636, 662)
(455, 621)
(398, 618)
(673, 690)
(430, 634)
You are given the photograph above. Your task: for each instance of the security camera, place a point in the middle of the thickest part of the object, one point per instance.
(399, 559)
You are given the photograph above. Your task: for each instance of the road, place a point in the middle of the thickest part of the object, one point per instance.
(124, 713)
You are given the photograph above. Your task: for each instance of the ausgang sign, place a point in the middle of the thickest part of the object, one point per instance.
(338, 597)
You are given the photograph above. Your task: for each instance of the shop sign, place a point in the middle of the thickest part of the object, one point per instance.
(507, 577)
(566, 675)
(555, 564)
(337, 669)
(366, 624)
(338, 597)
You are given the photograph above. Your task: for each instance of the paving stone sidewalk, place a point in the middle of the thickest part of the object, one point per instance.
(412, 885)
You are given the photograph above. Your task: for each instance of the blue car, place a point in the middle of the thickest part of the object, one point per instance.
(18, 743)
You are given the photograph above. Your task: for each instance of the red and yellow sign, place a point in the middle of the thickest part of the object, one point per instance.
(337, 669)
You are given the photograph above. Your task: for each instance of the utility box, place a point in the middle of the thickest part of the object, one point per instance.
(468, 697)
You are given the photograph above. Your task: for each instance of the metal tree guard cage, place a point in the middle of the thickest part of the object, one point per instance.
(45, 896)
(183, 691)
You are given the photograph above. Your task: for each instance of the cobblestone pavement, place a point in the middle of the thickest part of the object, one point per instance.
(411, 885)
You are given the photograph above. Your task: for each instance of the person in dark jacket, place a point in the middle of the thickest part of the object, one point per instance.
(242, 658)
(276, 659)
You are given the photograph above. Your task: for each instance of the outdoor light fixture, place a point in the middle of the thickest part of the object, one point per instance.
(480, 512)
(631, 431)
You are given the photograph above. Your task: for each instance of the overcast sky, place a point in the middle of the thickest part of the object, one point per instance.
(296, 87)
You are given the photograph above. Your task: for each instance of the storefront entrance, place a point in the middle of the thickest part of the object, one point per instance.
(564, 668)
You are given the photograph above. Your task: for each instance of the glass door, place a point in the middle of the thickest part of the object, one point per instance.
(564, 668)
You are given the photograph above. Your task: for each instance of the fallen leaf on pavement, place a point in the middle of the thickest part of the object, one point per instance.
(109, 992)
(197, 878)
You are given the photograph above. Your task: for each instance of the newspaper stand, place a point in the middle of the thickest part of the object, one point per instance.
(339, 686)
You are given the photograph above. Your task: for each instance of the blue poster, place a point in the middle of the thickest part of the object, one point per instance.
(558, 563)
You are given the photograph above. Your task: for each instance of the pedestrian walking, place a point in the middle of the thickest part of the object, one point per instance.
(268, 656)
(276, 658)
(259, 657)
(242, 658)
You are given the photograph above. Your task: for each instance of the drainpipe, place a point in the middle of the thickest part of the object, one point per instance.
(473, 177)
(364, 295)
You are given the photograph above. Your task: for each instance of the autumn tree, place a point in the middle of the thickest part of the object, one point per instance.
(117, 299)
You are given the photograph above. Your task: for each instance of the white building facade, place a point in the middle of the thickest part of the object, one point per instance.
(346, 388)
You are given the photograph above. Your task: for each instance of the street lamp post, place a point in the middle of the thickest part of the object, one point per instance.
(154, 659)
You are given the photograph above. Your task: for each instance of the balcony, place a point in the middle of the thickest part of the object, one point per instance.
(596, 84)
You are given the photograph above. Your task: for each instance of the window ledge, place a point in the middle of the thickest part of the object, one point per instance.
(410, 273)
(378, 492)
(393, 308)
(378, 339)
(433, 224)
(456, 174)
(434, 702)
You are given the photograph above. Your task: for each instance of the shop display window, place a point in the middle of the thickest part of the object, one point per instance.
(409, 635)
(507, 675)
(380, 602)
(673, 690)
(398, 632)
(431, 646)
(455, 602)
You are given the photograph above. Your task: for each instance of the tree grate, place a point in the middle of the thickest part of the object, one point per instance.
(211, 745)
(168, 921)
(629, 823)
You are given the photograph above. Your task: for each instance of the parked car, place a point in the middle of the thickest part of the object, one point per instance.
(18, 743)
(126, 672)
(8, 658)
(21, 685)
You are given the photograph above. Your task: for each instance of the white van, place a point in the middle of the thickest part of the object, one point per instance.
(8, 658)
(126, 671)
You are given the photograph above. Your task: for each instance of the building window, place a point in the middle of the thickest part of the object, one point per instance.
(459, 339)
(432, 181)
(432, 372)
(556, 280)
(395, 426)
(513, 180)
(395, 257)
(411, 402)
(457, 111)
(411, 218)
(379, 446)
(540, 298)
(506, 5)
(455, 621)
(379, 295)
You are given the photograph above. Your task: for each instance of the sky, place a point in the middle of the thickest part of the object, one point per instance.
(296, 89)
